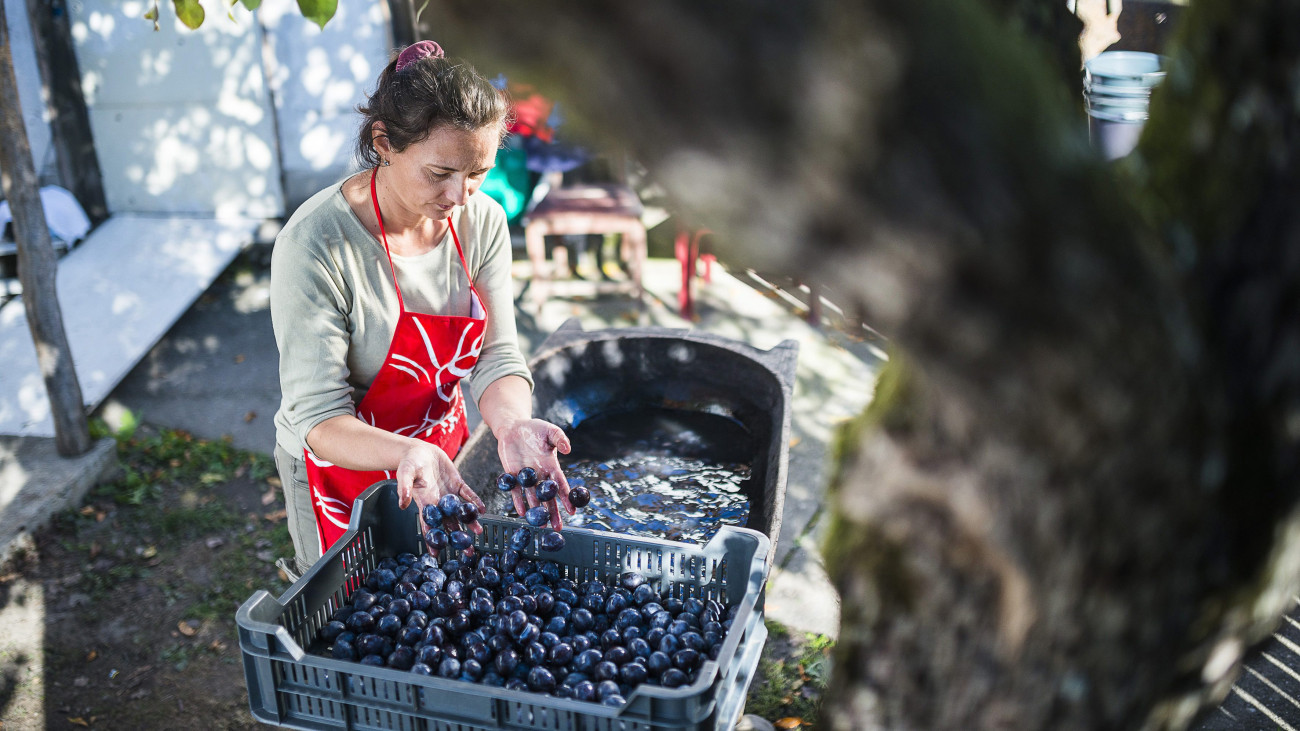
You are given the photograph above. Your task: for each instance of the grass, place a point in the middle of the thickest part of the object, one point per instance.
(792, 675)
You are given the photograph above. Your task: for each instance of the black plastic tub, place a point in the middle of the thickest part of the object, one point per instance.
(580, 374)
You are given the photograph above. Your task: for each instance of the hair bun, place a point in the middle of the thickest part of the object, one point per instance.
(417, 51)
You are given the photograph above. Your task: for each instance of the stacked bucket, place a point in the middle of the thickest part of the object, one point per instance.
(1117, 89)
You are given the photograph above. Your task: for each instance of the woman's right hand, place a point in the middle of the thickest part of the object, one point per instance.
(425, 474)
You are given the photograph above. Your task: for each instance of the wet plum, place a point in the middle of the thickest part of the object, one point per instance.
(461, 540)
(436, 539)
(527, 477)
(506, 482)
(449, 504)
(432, 515)
(547, 490)
(579, 496)
(468, 513)
(552, 541)
(537, 516)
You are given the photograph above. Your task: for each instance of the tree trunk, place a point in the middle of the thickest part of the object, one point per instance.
(73, 140)
(37, 265)
(1073, 502)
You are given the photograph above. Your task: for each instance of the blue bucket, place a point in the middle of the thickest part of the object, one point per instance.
(1117, 90)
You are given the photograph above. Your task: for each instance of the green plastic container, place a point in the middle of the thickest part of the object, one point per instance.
(289, 687)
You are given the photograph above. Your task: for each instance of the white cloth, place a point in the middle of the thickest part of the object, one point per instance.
(63, 214)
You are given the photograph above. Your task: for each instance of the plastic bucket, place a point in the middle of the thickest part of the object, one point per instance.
(1117, 90)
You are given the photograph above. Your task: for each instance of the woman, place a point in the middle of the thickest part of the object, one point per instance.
(386, 289)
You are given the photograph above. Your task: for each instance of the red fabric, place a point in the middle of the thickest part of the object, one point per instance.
(416, 393)
(531, 112)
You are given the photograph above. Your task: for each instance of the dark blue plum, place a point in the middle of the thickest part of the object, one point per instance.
(516, 684)
(467, 513)
(375, 660)
(557, 624)
(643, 595)
(614, 701)
(606, 688)
(506, 482)
(549, 639)
(520, 538)
(331, 630)
(449, 667)
(420, 668)
(695, 641)
(369, 644)
(547, 490)
(673, 678)
(435, 539)
(409, 635)
(400, 608)
(530, 633)
(460, 622)
(670, 644)
(432, 515)
(363, 600)
(535, 653)
(516, 621)
(581, 619)
(420, 601)
(527, 477)
(343, 650)
(687, 659)
(545, 602)
(618, 655)
(506, 661)
(537, 516)
(449, 504)
(471, 669)
(579, 496)
(381, 580)
(610, 638)
(629, 617)
(401, 658)
(481, 607)
(585, 691)
(630, 580)
(551, 541)
(541, 680)
(388, 625)
(585, 661)
(488, 577)
(430, 655)
(605, 670)
(581, 643)
(615, 604)
(361, 622)
(679, 628)
(639, 647)
(657, 663)
(561, 654)
(461, 540)
(631, 633)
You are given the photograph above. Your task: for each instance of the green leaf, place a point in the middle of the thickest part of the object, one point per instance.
(318, 11)
(190, 13)
(252, 4)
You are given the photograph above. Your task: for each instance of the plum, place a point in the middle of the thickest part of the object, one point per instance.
(527, 477)
(579, 496)
(506, 482)
(537, 516)
(552, 541)
(547, 490)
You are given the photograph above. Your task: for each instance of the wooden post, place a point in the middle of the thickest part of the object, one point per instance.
(36, 263)
(74, 144)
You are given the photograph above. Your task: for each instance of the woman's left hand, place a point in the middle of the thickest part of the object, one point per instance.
(535, 443)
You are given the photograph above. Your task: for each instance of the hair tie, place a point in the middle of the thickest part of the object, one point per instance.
(417, 51)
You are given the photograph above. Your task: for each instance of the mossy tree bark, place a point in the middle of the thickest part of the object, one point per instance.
(1073, 502)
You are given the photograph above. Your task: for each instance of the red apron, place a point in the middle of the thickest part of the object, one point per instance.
(416, 393)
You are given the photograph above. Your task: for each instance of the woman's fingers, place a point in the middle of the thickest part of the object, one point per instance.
(517, 497)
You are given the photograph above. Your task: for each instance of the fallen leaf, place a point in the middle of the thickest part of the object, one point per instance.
(273, 481)
(217, 646)
(275, 516)
(148, 552)
(88, 510)
(269, 496)
(239, 358)
(794, 441)
(100, 515)
(187, 628)
(250, 416)
(78, 721)
(215, 542)
(90, 656)
(789, 723)
(242, 469)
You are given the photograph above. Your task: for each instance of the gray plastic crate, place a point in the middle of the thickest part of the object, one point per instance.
(289, 687)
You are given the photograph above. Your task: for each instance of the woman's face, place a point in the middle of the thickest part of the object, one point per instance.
(442, 171)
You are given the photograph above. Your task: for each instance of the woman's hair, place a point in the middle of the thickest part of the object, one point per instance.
(427, 94)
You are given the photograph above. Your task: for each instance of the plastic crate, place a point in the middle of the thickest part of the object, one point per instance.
(289, 687)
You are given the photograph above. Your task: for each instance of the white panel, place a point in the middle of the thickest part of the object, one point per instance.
(182, 119)
(188, 159)
(30, 95)
(119, 292)
(320, 76)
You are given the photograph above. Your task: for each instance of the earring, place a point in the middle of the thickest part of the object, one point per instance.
(387, 163)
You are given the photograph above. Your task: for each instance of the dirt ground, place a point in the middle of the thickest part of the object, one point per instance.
(136, 594)
(122, 615)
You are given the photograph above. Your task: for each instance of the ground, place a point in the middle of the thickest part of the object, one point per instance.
(130, 599)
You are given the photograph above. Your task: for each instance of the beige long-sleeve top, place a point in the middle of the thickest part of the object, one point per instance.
(334, 308)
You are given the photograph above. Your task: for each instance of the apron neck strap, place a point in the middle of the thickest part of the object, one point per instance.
(383, 235)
